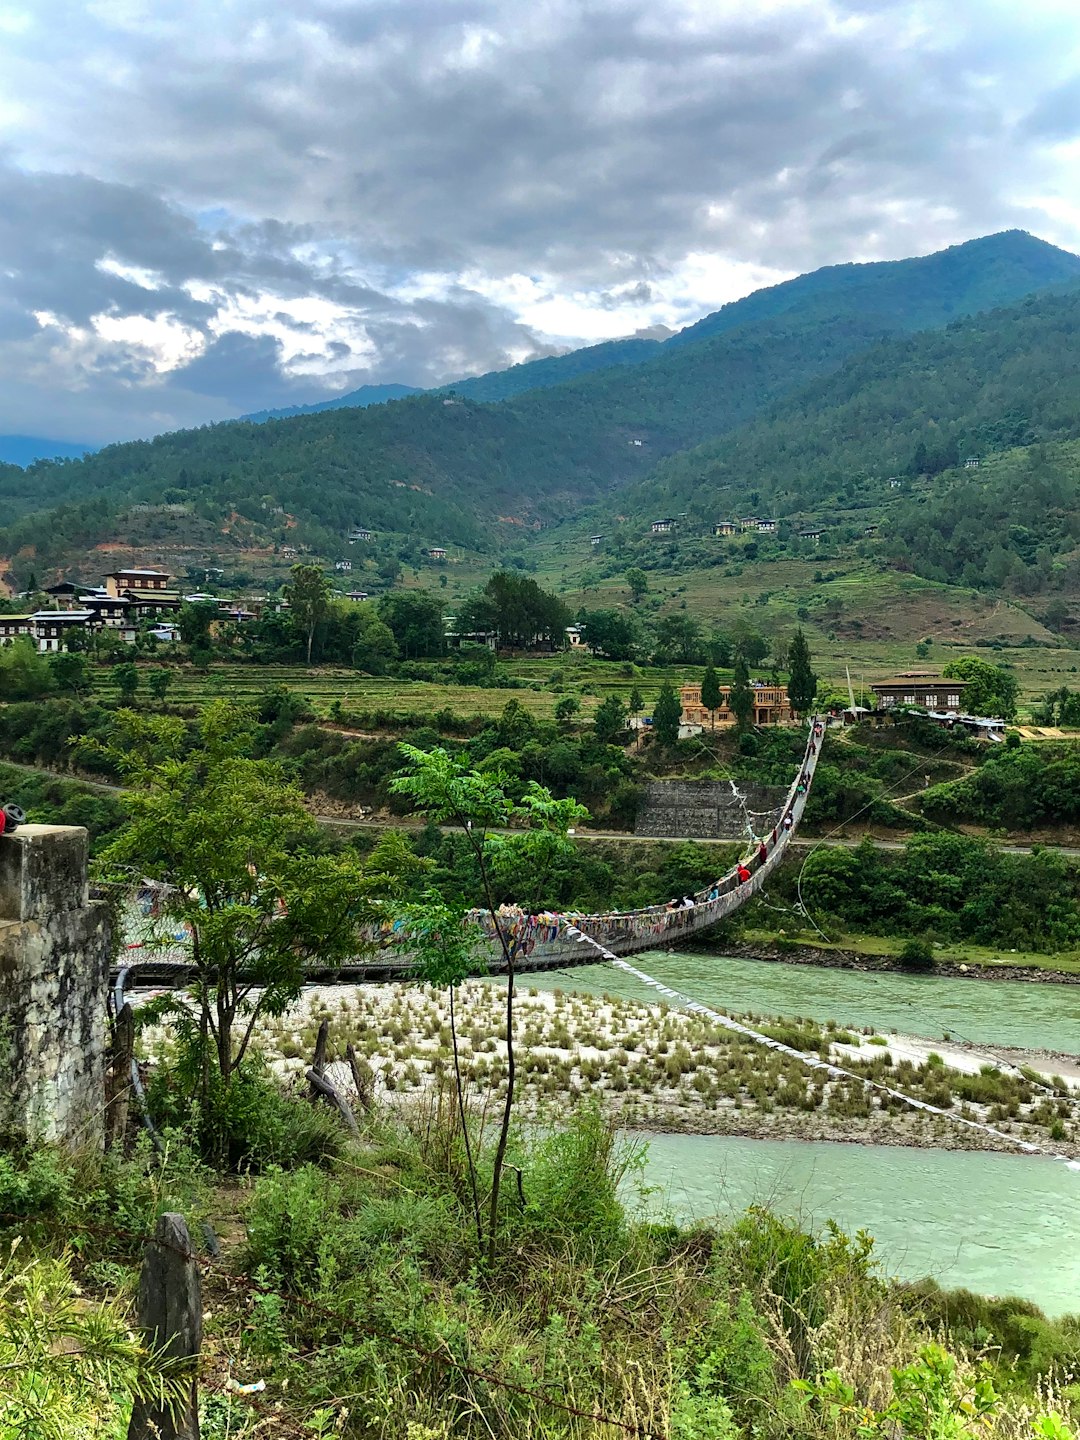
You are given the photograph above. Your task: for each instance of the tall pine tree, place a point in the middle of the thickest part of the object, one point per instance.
(741, 699)
(802, 682)
(667, 715)
(711, 697)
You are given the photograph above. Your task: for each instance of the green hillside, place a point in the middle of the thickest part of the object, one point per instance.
(916, 294)
(823, 395)
(918, 406)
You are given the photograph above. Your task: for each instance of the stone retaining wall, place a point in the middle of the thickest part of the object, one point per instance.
(707, 809)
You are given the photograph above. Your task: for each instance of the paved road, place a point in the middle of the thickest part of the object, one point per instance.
(338, 822)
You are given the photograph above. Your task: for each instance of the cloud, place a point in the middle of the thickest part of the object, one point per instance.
(336, 191)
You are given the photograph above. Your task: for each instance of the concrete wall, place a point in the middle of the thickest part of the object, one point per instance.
(54, 976)
(706, 809)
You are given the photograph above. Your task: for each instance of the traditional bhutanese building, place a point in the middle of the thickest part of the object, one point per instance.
(771, 706)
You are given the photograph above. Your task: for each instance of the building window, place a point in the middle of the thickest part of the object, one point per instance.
(909, 699)
(953, 701)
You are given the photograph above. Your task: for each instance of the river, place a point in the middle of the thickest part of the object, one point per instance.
(987, 1012)
(995, 1223)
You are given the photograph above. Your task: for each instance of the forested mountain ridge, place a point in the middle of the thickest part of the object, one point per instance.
(921, 293)
(913, 294)
(446, 470)
(887, 423)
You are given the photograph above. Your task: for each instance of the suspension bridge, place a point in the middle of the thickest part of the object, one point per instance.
(548, 940)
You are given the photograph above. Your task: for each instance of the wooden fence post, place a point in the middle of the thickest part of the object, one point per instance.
(170, 1314)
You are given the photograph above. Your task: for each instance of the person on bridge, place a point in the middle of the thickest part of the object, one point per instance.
(762, 853)
(743, 873)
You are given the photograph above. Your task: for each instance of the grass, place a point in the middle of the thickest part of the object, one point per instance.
(1068, 962)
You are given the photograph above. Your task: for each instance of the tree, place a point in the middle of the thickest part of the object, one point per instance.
(678, 637)
(609, 722)
(237, 857)
(416, 622)
(309, 597)
(446, 791)
(24, 674)
(158, 682)
(990, 689)
(194, 621)
(70, 672)
(518, 610)
(638, 582)
(667, 716)
(711, 696)
(566, 707)
(127, 678)
(802, 682)
(609, 634)
(636, 702)
(752, 647)
(741, 696)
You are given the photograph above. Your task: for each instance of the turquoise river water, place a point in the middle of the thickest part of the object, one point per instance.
(1000, 1224)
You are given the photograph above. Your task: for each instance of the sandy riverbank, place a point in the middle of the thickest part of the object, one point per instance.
(654, 1068)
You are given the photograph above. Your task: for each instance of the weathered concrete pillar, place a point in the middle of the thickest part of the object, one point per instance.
(54, 976)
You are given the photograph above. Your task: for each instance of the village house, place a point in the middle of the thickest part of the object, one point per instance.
(51, 629)
(771, 706)
(14, 627)
(766, 527)
(813, 533)
(663, 527)
(971, 462)
(147, 592)
(356, 596)
(594, 540)
(359, 533)
(918, 687)
(343, 566)
(725, 527)
(436, 552)
(288, 552)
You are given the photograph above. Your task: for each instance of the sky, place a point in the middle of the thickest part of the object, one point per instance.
(215, 206)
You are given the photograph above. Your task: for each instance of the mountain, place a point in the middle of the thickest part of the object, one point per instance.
(358, 399)
(496, 384)
(916, 294)
(960, 439)
(25, 449)
(441, 468)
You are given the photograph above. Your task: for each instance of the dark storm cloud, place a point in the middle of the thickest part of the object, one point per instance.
(417, 165)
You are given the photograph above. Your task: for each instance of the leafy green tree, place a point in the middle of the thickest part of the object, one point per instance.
(24, 674)
(416, 622)
(70, 672)
(609, 722)
(446, 791)
(566, 707)
(678, 638)
(711, 696)
(667, 716)
(741, 696)
(309, 596)
(609, 633)
(990, 690)
(636, 702)
(194, 621)
(127, 679)
(753, 648)
(158, 682)
(517, 610)
(638, 582)
(802, 682)
(238, 858)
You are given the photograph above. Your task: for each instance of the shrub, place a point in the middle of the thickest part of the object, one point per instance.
(916, 955)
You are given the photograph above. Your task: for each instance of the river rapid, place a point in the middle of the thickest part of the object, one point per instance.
(995, 1223)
